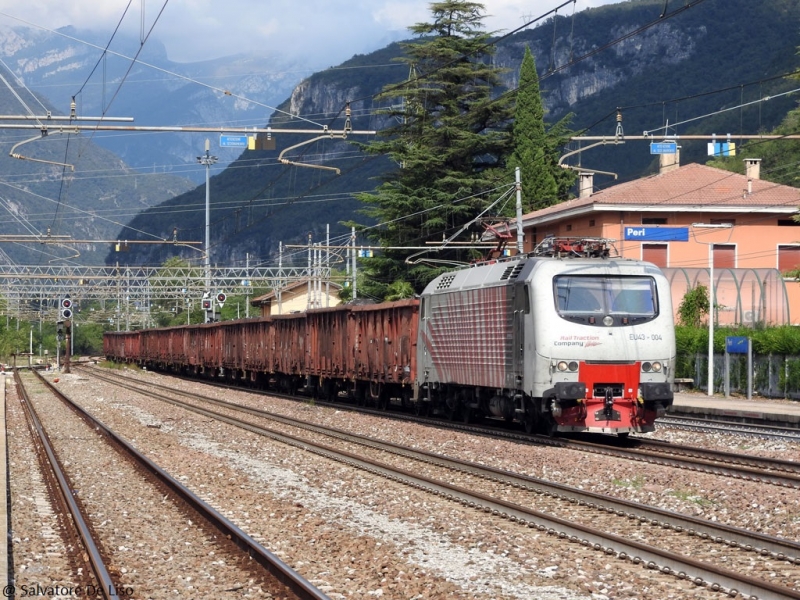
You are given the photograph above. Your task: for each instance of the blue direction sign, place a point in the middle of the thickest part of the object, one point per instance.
(657, 234)
(233, 141)
(736, 344)
(663, 147)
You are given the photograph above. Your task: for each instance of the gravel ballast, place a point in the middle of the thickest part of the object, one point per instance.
(356, 535)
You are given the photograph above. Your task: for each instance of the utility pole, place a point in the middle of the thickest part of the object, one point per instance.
(68, 330)
(520, 233)
(207, 160)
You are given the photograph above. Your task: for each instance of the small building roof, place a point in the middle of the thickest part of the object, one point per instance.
(291, 286)
(690, 188)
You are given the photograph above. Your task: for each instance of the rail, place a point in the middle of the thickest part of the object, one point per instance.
(108, 590)
(302, 588)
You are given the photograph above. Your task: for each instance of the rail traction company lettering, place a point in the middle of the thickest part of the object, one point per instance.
(36, 590)
(582, 341)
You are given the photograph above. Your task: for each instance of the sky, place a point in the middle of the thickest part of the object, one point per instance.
(194, 30)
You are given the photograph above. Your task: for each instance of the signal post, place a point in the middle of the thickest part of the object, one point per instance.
(207, 304)
(64, 329)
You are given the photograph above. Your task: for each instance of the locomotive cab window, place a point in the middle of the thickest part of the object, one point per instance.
(588, 299)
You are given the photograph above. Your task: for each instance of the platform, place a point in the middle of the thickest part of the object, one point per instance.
(758, 410)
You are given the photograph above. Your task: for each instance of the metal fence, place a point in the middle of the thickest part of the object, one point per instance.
(774, 375)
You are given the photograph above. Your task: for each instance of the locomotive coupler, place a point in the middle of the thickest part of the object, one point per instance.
(608, 413)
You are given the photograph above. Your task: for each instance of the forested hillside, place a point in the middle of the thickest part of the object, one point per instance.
(699, 71)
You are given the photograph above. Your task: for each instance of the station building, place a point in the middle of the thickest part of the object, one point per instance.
(686, 219)
(297, 296)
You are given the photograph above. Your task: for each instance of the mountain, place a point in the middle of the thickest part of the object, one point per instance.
(62, 184)
(88, 186)
(233, 91)
(713, 59)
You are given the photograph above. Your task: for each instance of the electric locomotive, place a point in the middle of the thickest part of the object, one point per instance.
(566, 339)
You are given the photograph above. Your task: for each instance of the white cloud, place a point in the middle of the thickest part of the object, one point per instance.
(202, 29)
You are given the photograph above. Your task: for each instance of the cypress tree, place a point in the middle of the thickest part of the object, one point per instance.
(536, 149)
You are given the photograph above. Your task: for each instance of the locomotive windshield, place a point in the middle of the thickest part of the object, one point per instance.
(584, 298)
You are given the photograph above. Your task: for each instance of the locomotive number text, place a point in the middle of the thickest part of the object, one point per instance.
(644, 336)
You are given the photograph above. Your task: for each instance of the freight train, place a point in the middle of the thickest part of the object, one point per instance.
(565, 339)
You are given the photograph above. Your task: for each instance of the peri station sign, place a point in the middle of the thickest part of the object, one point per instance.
(656, 234)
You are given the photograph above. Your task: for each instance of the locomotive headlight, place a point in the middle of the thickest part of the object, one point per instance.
(608, 321)
(657, 367)
(646, 366)
(573, 366)
(562, 365)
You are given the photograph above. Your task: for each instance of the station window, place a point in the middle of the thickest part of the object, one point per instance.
(656, 254)
(725, 256)
(788, 258)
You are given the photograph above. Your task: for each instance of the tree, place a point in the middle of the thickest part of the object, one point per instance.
(528, 134)
(450, 140)
(536, 150)
(694, 306)
(175, 274)
(399, 290)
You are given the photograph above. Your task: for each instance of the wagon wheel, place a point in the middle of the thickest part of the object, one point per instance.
(530, 418)
(377, 392)
(328, 390)
(360, 394)
(466, 414)
(451, 408)
(421, 408)
(405, 398)
(549, 426)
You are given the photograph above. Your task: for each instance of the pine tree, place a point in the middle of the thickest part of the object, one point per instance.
(536, 149)
(450, 142)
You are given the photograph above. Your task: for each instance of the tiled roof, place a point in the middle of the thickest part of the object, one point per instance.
(289, 287)
(692, 187)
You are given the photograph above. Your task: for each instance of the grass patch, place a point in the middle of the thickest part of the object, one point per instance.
(109, 364)
(688, 496)
(636, 483)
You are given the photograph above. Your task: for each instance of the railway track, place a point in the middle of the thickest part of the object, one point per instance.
(130, 514)
(735, 465)
(755, 566)
(771, 432)
(782, 473)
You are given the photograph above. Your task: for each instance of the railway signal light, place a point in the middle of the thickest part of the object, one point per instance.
(221, 297)
(60, 330)
(66, 307)
(206, 304)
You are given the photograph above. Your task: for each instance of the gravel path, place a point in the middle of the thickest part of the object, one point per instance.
(360, 536)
